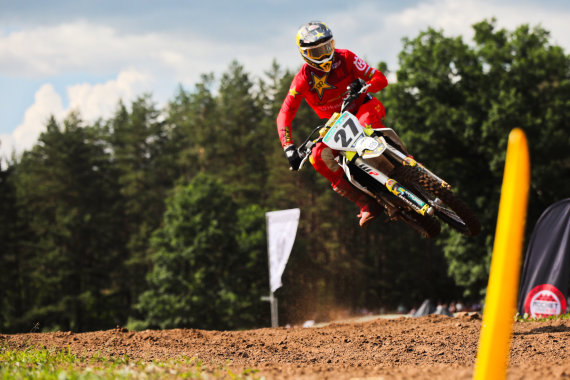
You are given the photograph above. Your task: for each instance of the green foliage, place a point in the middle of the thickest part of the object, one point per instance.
(47, 364)
(142, 158)
(12, 232)
(156, 216)
(64, 186)
(196, 280)
(455, 104)
(237, 134)
(189, 120)
(527, 318)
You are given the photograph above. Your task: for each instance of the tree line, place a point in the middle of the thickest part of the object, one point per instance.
(155, 217)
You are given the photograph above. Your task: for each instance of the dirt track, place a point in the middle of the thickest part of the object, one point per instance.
(432, 347)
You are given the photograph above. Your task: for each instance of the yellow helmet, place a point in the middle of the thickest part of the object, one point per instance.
(316, 44)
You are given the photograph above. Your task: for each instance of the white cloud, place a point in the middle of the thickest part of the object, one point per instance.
(83, 47)
(366, 27)
(376, 34)
(157, 61)
(6, 147)
(457, 18)
(92, 102)
(148, 62)
(44, 51)
(46, 102)
(100, 100)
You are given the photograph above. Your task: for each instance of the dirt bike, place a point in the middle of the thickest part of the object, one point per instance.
(377, 162)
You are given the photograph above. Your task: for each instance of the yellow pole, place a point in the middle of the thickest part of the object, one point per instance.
(502, 289)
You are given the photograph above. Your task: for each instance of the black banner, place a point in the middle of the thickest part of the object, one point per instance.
(544, 280)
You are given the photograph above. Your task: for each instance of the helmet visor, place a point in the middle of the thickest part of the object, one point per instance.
(320, 51)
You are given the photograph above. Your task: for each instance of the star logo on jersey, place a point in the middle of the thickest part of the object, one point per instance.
(320, 84)
(293, 92)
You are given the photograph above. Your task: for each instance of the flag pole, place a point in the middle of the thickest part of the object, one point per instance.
(273, 306)
(272, 299)
(281, 230)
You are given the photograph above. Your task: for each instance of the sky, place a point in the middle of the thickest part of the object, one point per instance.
(57, 56)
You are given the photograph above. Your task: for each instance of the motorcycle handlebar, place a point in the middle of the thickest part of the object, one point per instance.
(352, 96)
(305, 148)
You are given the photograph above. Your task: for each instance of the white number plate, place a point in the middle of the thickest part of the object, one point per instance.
(344, 133)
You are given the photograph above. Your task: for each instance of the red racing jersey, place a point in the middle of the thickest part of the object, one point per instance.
(323, 91)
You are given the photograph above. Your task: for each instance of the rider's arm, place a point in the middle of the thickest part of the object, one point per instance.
(378, 81)
(288, 110)
(369, 74)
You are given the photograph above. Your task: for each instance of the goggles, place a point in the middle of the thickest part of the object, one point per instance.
(319, 52)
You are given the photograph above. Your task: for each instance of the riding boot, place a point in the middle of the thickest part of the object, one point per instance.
(369, 208)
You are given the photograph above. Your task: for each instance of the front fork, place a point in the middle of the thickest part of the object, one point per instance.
(409, 161)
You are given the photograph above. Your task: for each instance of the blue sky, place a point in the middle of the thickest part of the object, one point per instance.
(56, 56)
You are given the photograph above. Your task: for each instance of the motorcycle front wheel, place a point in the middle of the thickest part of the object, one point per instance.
(448, 207)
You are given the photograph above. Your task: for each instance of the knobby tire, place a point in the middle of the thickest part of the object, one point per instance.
(422, 182)
(426, 225)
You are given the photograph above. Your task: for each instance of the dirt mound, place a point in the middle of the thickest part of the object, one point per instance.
(431, 347)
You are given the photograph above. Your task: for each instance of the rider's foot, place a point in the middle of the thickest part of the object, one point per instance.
(369, 208)
(367, 213)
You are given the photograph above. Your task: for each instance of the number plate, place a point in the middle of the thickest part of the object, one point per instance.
(344, 133)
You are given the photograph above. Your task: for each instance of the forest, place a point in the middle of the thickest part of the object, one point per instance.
(155, 217)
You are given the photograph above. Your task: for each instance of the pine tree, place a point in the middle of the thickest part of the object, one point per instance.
(64, 189)
(190, 120)
(202, 263)
(12, 235)
(146, 172)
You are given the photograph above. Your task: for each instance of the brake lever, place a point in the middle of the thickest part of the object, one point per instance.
(303, 161)
(305, 152)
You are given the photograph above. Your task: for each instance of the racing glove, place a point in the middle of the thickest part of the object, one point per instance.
(355, 86)
(293, 156)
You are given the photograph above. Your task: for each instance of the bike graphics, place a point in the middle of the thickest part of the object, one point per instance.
(376, 162)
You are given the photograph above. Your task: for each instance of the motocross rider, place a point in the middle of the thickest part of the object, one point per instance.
(322, 81)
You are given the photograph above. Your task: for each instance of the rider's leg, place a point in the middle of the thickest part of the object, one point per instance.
(371, 114)
(324, 163)
(369, 208)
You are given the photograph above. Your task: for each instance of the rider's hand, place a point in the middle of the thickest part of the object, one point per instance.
(355, 86)
(293, 156)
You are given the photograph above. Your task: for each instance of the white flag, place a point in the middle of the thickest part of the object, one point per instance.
(281, 231)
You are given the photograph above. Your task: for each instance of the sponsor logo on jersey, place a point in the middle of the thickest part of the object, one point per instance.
(360, 64)
(320, 84)
(287, 134)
